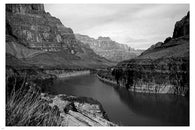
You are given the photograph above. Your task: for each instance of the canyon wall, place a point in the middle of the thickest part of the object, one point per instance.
(36, 29)
(163, 68)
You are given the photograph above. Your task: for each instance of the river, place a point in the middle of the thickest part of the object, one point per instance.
(127, 108)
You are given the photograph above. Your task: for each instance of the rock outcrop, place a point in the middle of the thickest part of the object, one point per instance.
(42, 40)
(78, 111)
(163, 68)
(108, 48)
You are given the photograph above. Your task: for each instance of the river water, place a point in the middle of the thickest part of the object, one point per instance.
(127, 108)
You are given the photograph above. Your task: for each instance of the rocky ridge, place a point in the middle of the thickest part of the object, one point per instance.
(108, 48)
(163, 68)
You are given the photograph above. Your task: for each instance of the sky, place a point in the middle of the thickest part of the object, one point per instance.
(137, 25)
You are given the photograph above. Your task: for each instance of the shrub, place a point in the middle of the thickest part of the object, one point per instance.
(26, 108)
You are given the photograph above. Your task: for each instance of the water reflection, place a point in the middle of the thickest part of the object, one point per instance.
(170, 109)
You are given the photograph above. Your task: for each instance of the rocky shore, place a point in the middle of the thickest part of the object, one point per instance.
(78, 111)
(107, 80)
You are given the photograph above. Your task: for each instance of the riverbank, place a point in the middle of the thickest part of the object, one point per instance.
(108, 81)
(28, 105)
(67, 73)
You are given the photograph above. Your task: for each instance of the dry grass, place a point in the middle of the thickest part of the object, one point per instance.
(26, 108)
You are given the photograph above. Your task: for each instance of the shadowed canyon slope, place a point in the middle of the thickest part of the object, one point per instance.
(109, 49)
(163, 68)
(35, 37)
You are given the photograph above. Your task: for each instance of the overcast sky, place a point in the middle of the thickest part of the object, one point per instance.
(138, 25)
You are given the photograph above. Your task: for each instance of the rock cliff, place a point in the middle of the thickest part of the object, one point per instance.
(41, 39)
(34, 28)
(163, 68)
(109, 49)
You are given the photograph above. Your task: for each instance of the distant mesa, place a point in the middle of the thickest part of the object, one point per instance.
(104, 38)
(111, 50)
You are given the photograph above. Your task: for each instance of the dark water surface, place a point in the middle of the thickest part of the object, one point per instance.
(127, 108)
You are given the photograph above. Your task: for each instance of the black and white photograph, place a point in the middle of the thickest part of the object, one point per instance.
(97, 64)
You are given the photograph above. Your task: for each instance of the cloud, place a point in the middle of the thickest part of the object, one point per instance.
(139, 25)
(161, 10)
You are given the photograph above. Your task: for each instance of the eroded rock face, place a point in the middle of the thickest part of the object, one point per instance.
(35, 28)
(108, 48)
